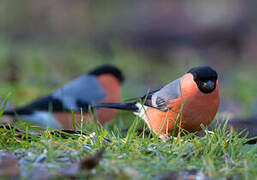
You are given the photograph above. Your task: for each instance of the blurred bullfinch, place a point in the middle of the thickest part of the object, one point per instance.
(187, 102)
(102, 84)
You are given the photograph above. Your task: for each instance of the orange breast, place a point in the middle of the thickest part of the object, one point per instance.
(112, 87)
(198, 108)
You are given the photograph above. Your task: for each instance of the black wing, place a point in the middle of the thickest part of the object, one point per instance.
(147, 99)
(47, 103)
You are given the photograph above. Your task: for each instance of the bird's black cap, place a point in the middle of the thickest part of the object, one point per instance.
(108, 69)
(203, 73)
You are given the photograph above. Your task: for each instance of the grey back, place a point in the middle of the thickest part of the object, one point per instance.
(84, 89)
(161, 98)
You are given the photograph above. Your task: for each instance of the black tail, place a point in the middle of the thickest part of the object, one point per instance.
(10, 113)
(122, 106)
(19, 111)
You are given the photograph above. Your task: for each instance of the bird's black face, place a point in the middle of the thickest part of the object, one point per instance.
(206, 86)
(205, 78)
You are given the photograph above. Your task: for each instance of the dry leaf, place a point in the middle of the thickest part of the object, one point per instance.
(74, 169)
(93, 161)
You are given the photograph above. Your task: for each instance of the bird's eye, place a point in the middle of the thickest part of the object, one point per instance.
(206, 86)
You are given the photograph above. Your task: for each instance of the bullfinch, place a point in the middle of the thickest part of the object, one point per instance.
(102, 84)
(187, 102)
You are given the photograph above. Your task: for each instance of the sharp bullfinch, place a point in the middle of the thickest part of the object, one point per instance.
(102, 84)
(187, 102)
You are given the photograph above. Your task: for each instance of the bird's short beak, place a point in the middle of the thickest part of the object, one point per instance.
(210, 84)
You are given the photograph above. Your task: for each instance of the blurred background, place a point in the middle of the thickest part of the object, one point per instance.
(44, 44)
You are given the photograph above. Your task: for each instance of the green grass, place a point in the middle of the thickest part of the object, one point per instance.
(137, 156)
(129, 155)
